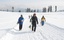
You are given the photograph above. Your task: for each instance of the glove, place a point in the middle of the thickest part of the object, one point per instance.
(17, 22)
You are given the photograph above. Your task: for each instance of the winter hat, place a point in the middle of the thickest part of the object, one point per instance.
(21, 15)
(34, 14)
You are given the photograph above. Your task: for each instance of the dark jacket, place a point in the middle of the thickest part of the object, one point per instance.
(34, 20)
(20, 20)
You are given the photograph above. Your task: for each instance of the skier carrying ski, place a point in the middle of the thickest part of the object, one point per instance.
(30, 21)
(34, 20)
(43, 20)
(20, 21)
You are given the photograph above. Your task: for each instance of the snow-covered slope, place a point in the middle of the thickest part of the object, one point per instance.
(50, 31)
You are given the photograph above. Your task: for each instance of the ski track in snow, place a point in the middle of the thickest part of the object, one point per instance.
(40, 34)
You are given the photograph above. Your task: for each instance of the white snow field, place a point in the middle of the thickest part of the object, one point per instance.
(53, 28)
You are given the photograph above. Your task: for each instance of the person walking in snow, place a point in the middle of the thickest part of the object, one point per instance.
(43, 20)
(20, 22)
(34, 20)
(30, 26)
(30, 16)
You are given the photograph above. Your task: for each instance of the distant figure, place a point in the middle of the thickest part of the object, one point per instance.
(43, 20)
(30, 16)
(20, 21)
(34, 20)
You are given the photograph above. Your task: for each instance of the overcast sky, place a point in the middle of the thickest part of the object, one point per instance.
(30, 3)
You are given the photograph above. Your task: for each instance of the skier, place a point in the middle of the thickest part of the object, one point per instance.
(29, 16)
(43, 20)
(20, 21)
(30, 22)
(34, 20)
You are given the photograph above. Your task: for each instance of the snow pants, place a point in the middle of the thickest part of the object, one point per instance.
(20, 27)
(42, 23)
(34, 27)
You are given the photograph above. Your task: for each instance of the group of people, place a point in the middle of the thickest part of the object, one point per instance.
(33, 20)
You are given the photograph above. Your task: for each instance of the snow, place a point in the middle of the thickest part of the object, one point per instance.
(53, 28)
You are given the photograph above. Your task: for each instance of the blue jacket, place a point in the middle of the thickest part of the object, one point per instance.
(20, 20)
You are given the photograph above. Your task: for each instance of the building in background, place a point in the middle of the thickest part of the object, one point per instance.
(28, 10)
(44, 9)
(12, 9)
(50, 9)
(55, 8)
